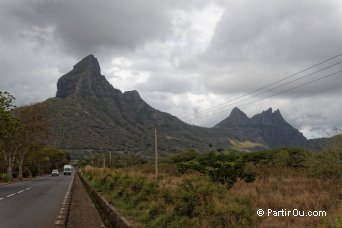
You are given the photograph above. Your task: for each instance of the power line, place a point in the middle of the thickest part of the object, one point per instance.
(264, 92)
(281, 92)
(273, 83)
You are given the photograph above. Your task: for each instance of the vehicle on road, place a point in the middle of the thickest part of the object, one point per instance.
(55, 172)
(67, 170)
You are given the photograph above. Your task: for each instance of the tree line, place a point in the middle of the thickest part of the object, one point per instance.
(21, 130)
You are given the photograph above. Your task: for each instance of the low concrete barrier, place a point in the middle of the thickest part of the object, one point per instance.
(111, 215)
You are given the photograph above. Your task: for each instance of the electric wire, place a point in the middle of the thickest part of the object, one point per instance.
(269, 90)
(281, 92)
(271, 84)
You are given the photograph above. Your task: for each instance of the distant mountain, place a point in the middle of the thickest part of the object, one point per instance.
(334, 143)
(88, 114)
(268, 128)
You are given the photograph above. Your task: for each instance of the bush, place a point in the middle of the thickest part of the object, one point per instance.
(4, 177)
(184, 156)
(326, 164)
(187, 199)
(225, 168)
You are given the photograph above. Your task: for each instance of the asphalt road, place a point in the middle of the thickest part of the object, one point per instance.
(32, 203)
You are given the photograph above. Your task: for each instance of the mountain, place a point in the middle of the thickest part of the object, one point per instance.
(236, 118)
(268, 128)
(332, 143)
(89, 115)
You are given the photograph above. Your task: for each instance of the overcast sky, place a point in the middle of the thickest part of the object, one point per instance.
(184, 56)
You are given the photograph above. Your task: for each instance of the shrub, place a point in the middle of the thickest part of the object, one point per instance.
(225, 168)
(187, 200)
(326, 164)
(184, 156)
(5, 177)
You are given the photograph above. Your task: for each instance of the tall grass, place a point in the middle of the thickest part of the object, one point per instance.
(192, 200)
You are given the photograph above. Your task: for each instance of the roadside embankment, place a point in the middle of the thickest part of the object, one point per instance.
(111, 217)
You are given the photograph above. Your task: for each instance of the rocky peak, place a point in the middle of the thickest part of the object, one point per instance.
(88, 63)
(264, 118)
(276, 115)
(132, 95)
(85, 80)
(134, 101)
(236, 117)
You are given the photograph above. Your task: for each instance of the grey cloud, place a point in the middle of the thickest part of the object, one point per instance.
(163, 83)
(326, 82)
(254, 43)
(278, 30)
(89, 26)
(83, 27)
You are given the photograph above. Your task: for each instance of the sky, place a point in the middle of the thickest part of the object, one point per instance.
(194, 59)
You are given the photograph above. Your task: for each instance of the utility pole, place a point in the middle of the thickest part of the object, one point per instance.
(110, 159)
(156, 151)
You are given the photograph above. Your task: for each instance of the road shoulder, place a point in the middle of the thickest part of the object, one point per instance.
(83, 213)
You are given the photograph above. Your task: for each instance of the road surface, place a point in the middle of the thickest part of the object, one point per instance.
(33, 203)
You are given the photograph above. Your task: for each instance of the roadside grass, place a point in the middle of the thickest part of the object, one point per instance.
(225, 189)
(286, 188)
(193, 200)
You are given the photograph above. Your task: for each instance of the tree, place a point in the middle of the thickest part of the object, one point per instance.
(44, 159)
(33, 127)
(328, 162)
(9, 129)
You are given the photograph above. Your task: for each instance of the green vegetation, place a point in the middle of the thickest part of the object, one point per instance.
(42, 160)
(225, 168)
(220, 189)
(21, 153)
(4, 177)
(192, 201)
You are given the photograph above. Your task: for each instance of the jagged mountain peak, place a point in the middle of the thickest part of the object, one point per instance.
(268, 117)
(236, 117)
(277, 114)
(268, 111)
(269, 127)
(237, 111)
(88, 63)
(85, 80)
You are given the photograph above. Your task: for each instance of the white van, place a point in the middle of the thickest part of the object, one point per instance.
(67, 170)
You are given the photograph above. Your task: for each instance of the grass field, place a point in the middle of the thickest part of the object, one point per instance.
(194, 200)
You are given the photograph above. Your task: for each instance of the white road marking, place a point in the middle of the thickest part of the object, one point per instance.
(60, 220)
(17, 192)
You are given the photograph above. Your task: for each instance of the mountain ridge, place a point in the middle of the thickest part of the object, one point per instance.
(89, 114)
(268, 125)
